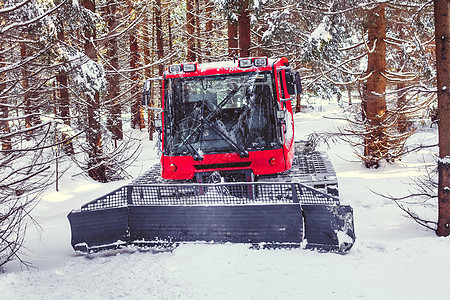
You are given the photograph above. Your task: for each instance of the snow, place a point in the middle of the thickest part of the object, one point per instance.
(289, 135)
(321, 33)
(393, 258)
(445, 160)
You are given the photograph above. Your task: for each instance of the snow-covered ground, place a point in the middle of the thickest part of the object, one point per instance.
(393, 258)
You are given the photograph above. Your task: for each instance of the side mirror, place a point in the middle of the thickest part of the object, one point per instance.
(290, 84)
(146, 91)
(298, 83)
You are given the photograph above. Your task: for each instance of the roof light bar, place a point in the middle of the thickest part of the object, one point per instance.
(245, 63)
(175, 69)
(257, 62)
(189, 67)
(260, 62)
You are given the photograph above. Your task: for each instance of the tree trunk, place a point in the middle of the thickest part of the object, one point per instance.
(402, 124)
(374, 102)
(4, 111)
(190, 30)
(442, 34)
(169, 21)
(25, 85)
(159, 36)
(298, 104)
(63, 99)
(147, 70)
(146, 46)
(136, 120)
(208, 29)
(198, 29)
(244, 29)
(349, 93)
(232, 38)
(160, 56)
(97, 169)
(114, 121)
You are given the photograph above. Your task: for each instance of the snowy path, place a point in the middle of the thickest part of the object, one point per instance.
(393, 258)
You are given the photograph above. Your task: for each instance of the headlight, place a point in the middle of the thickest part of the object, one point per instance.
(245, 63)
(175, 69)
(189, 67)
(260, 62)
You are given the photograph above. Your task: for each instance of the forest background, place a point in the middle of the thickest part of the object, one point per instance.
(71, 76)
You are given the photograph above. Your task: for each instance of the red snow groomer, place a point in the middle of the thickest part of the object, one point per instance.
(230, 169)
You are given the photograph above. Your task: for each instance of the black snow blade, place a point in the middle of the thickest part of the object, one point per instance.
(329, 228)
(269, 214)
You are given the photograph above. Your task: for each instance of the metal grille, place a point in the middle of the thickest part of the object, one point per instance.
(117, 198)
(153, 175)
(255, 193)
(312, 163)
(213, 194)
(308, 195)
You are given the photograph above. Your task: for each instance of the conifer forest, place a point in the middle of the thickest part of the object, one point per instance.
(72, 74)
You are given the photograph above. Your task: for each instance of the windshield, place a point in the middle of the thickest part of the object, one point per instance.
(221, 113)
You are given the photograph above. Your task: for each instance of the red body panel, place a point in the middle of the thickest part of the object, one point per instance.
(258, 161)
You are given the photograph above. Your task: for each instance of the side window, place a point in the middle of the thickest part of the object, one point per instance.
(280, 87)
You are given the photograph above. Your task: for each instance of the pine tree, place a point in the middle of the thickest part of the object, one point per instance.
(190, 31)
(25, 72)
(112, 65)
(374, 101)
(96, 166)
(442, 34)
(134, 74)
(244, 28)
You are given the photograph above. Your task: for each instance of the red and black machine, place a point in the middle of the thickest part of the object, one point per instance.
(230, 169)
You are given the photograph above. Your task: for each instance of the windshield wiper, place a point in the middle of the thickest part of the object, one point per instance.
(195, 154)
(242, 152)
(214, 112)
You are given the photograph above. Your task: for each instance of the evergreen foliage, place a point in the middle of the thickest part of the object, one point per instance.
(71, 73)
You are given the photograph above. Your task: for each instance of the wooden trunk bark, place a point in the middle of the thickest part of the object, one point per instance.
(147, 70)
(160, 56)
(190, 30)
(114, 122)
(442, 32)
(97, 169)
(159, 36)
(136, 117)
(208, 29)
(146, 46)
(169, 24)
(4, 110)
(63, 99)
(374, 102)
(244, 30)
(402, 124)
(232, 38)
(198, 41)
(349, 95)
(25, 86)
(298, 104)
